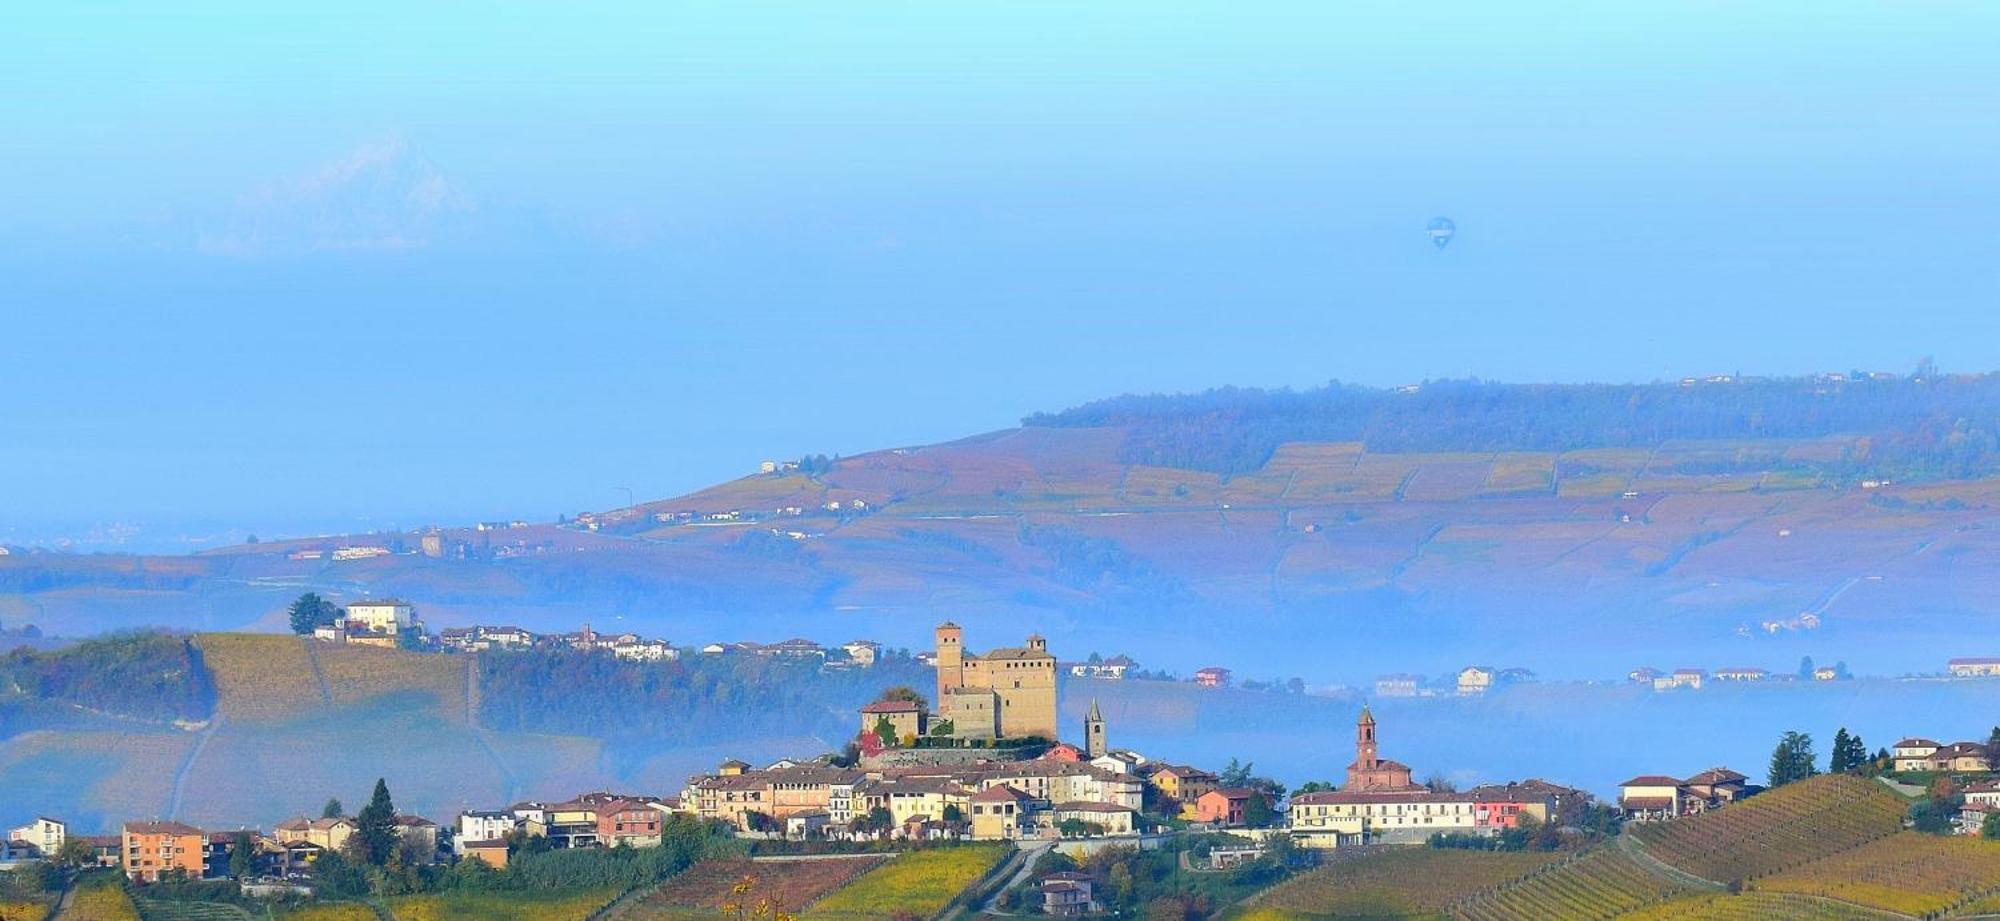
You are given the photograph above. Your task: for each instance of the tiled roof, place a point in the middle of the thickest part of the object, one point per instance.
(1651, 780)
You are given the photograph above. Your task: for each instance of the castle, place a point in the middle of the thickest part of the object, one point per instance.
(1370, 772)
(1006, 693)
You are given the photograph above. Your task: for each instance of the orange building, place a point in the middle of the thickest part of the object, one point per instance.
(1226, 805)
(152, 848)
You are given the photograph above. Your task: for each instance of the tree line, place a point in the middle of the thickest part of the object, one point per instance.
(1923, 425)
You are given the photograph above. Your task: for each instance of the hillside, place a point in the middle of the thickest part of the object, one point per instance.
(1828, 847)
(1708, 525)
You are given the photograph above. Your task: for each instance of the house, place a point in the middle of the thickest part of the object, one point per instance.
(639, 650)
(1398, 685)
(1826, 673)
(344, 554)
(1499, 806)
(44, 834)
(1983, 791)
(420, 833)
(1475, 679)
(1002, 812)
(912, 798)
(1974, 668)
(1179, 783)
(477, 825)
(387, 615)
(1212, 677)
(492, 851)
(905, 716)
(1100, 818)
(151, 849)
(1644, 675)
(794, 648)
(1067, 895)
(1971, 818)
(1689, 678)
(1227, 805)
(1718, 786)
(629, 823)
(1741, 674)
(326, 834)
(1960, 757)
(1913, 754)
(1650, 797)
(1113, 668)
(1118, 762)
(1338, 818)
(862, 652)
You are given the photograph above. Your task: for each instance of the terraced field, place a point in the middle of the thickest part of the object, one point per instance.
(919, 883)
(1777, 831)
(708, 888)
(1600, 884)
(1907, 873)
(1756, 906)
(1399, 883)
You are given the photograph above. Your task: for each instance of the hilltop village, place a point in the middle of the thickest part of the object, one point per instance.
(979, 756)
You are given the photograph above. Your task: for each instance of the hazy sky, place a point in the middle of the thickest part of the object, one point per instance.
(413, 262)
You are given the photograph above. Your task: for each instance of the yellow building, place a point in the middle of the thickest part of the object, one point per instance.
(1337, 818)
(1016, 685)
(1002, 813)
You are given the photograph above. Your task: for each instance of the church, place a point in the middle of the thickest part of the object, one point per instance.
(1370, 771)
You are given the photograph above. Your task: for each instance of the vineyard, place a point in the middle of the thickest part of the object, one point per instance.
(1755, 906)
(1602, 883)
(704, 889)
(326, 911)
(171, 910)
(1907, 873)
(919, 883)
(24, 909)
(1777, 831)
(259, 678)
(355, 674)
(499, 906)
(101, 900)
(1401, 883)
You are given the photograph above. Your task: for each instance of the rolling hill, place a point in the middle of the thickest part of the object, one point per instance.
(1758, 521)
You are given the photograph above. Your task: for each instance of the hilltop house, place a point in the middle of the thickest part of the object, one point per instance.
(1689, 678)
(1213, 676)
(1980, 667)
(1919, 754)
(906, 717)
(1653, 797)
(1475, 679)
(387, 615)
(1113, 668)
(1398, 685)
(1227, 805)
(1741, 674)
(862, 653)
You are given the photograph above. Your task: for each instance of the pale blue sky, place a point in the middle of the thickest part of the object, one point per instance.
(272, 269)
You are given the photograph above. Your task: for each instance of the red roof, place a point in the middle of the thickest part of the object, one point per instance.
(1651, 780)
(893, 706)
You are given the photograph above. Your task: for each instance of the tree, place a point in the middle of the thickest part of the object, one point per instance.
(1237, 774)
(310, 610)
(1849, 753)
(1438, 783)
(943, 729)
(885, 732)
(332, 809)
(904, 692)
(1806, 668)
(242, 855)
(376, 826)
(1989, 828)
(1257, 813)
(952, 813)
(1313, 786)
(1792, 759)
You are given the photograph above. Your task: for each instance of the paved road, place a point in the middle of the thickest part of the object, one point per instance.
(1023, 864)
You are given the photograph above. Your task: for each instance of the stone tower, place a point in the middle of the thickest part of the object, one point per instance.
(950, 661)
(1093, 733)
(1364, 742)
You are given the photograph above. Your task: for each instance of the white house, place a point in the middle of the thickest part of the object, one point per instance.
(1914, 754)
(482, 826)
(46, 834)
(387, 615)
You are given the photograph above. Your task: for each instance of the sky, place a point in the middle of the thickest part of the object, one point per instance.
(289, 270)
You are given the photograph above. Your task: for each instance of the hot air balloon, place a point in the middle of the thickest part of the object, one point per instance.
(1440, 231)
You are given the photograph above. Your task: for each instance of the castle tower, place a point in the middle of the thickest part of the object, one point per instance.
(1036, 643)
(950, 661)
(1364, 742)
(1093, 733)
